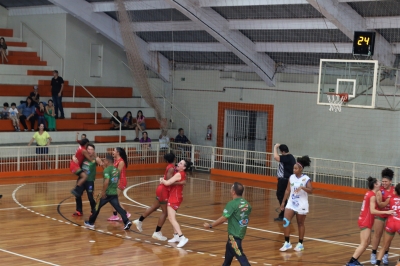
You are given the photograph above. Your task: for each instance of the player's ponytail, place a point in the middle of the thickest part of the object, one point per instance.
(371, 182)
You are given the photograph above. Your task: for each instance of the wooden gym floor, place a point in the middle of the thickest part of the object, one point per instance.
(38, 227)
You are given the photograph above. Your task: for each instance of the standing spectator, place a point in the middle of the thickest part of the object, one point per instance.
(115, 120)
(237, 213)
(127, 121)
(285, 170)
(146, 144)
(163, 139)
(182, 139)
(35, 96)
(50, 116)
(57, 87)
(43, 140)
(40, 111)
(3, 50)
(5, 112)
(140, 124)
(13, 111)
(83, 136)
(27, 112)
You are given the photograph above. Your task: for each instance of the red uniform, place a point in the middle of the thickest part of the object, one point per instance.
(393, 222)
(76, 167)
(122, 177)
(176, 193)
(385, 194)
(162, 191)
(366, 219)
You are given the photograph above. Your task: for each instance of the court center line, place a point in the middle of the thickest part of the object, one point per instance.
(26, 257)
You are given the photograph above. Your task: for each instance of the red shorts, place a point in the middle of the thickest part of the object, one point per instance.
(393, 226)
(175, 203)
(122, 183)
(162, 193)
(75, 168)
(367, 222)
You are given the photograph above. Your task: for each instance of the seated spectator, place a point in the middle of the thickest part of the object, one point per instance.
(4, 111)
(3, 50)
(163, 139)
(83, 136)
(13, 111)
(140, 124)
(50, 116)
(127, 121)
(115, 120)
(145, 143)
(27, 112)
(40, 111)
(182, 139)
(35, 96)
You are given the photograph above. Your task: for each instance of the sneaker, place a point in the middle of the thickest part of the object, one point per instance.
(286, 246)
(77, 213)
(278, 219)
(32, 130)
(182, 241)
(113, 218)
(1, 196)
(357, 263)
(127, 225)
(87, 224)
(299, 247)
(385, 259)
(159, 236)
(138, 225)
(25, 130)
(174, 239)
(136, 139)
(373, 259)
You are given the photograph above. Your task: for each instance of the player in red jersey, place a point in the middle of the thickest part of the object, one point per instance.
(175, 199)
(382, 199)
(120, 162)
(80, 154)
(392, 225)
(162, 195)
(366, 219)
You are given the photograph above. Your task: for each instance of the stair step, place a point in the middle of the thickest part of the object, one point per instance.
(105, 139)
(47, 82)
(76, 105)
(17, 44)
(23, 57)
(22, 53)
(6, 33)
(85, 116)
(26, 62)
(40, 72)
(92, 126)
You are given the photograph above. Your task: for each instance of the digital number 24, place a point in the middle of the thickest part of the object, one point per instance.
(363, 39)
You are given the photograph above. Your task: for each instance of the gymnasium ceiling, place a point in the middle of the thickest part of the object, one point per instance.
(255, 34)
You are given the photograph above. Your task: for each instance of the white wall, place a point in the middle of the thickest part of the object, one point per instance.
(3, 17)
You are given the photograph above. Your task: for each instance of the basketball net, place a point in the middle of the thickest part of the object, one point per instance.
(335, 102)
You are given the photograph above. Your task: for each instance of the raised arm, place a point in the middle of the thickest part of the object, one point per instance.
(276, 154)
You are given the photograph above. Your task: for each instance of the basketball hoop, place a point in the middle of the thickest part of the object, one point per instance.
(336, 101)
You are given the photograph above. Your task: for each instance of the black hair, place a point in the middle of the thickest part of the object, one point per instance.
(122, 153)
(91, 145)
(31, 104)
(110, 158)
(13, 104)
(55, 71)
(130, 122)
(283, 148)
(304, 161)
(169, 157)
(50, 100)
(137, 114)
(397, 189)
(83, 142)
(188, 165)
(146, 133)
(371, 182)
(387, 173)
(238, 188)
(5, 104)
(84, 135)
(179, 130)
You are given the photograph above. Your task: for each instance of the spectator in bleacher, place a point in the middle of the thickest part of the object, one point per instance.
(140, 124)
(145, 143)
(50, 116)
(127, 121)
(163, 139)
(35, 95)
(3, 50)
(57, 87)
(4, 111)
(13, 111)
(83, 136)
(115, 120)
(182, 139)
(40, 111)
(43, 140)
(27, 112)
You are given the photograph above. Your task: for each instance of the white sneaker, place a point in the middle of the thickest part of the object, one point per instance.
(174, 239)
(138, 225)
(299, 247)
(159, 236)
(183, 240)
(286, 246)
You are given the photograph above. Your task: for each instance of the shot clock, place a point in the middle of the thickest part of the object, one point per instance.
(364, 43)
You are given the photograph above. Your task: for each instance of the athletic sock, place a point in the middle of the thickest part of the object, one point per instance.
(387, 251)
(158, 228)
(286, 239)
(142, 218)
(378, 262)
(301, 241)
(352, 260)
(115, 213)
(374, 251)
(181, 235)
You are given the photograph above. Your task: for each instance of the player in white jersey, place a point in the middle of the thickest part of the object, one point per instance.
(297, 191)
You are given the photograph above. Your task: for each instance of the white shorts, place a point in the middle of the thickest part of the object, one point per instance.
(302, 210)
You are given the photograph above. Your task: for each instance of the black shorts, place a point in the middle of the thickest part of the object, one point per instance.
(42, 150)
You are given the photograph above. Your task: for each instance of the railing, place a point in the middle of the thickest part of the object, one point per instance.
(166, 101)
(344, 173)
(43, 43)
(95, 107)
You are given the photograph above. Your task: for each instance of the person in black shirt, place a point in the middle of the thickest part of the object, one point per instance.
(181, 138)
(57, 86)
(35, 96)
(285, 170)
